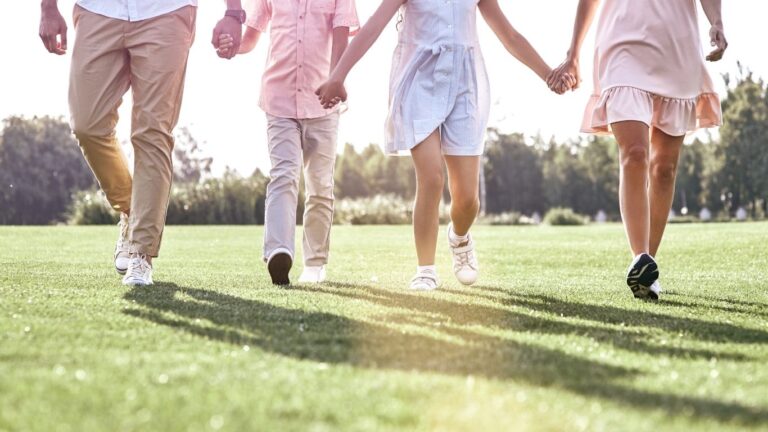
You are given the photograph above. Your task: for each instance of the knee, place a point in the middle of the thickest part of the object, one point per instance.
(635, 156)
(663, 170)
(318, 187)
(465, 201)
(285, 173)
(85, 132)
(432, 182)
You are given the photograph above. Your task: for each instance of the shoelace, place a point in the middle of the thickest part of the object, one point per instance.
(465, 257)
(139, 264)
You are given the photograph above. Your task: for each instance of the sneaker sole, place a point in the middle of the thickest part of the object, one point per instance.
(640, 281)
(120, 271)
(136, 283)
(279, 267)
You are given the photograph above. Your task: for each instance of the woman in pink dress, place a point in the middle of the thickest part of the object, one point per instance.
(651, 88)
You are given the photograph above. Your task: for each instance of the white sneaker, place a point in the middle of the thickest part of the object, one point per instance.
(139, 272)
(312, 275)
(656, 288)
(465, 265)
(425, 280)
(122, 255)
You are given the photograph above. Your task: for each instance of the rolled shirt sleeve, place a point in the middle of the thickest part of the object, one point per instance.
(346, 16)
(259, 13)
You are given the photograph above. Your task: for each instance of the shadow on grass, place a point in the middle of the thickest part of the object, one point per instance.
(435, 336)
(700, 329)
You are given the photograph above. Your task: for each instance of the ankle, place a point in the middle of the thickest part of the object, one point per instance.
(426, 269)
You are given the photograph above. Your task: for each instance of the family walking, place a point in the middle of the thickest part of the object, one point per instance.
(651, 88)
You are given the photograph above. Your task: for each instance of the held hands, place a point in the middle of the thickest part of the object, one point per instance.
(53, 30)
(717, 40)
(226, 46)
(230, 29)
(331, 93)
(565, 77)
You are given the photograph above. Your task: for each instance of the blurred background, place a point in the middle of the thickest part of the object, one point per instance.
(536, 160)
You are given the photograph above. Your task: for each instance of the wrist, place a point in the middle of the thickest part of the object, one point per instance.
(336, 76)
(48, 5)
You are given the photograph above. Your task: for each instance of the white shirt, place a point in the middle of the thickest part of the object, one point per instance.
(133, 10)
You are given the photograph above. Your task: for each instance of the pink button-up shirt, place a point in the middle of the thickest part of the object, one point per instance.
(301, 38)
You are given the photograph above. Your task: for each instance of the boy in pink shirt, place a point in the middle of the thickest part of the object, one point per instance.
(307, 38)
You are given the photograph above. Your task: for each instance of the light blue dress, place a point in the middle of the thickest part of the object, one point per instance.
(438, 79)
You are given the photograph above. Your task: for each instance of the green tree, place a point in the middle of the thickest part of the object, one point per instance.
(513, 175)
(41, 166)
(349, 178)
(189, 165)
(742, 157)
(566, 181)
(600, 159)
(689, 188)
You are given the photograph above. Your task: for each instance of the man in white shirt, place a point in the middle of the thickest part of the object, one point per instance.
(142, 45)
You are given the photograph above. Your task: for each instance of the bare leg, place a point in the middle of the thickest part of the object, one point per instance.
(464, 180)
(428, 160)
(665, 154)
(633, 139)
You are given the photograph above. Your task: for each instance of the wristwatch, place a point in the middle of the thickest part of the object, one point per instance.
(237, 14)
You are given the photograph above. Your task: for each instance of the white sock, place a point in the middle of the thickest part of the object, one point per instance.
(426, 269)
(455, 238)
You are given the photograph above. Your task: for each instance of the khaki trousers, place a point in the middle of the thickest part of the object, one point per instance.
(293, 143)
(149, 57)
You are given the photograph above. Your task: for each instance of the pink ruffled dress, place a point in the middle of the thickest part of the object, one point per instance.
(649, 67)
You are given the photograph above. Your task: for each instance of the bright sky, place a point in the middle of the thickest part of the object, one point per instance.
(220, 101)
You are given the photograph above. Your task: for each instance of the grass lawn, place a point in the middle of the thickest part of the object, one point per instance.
(549, 339)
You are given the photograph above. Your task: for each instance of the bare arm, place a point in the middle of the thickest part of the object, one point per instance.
(365, 38)
(585, 14)
(514, 42)
(53, 28)
(340, 43)
(250, 39)
(714, 11)
(332, 91)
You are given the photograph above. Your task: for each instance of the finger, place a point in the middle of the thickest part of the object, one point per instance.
(553, 77)
(46, 40)
(64, 39)
(51, 43)
(45, 43)
(216, 36)
(233, 51)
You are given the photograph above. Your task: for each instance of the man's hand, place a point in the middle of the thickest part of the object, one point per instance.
(53, 30)
(227, 26)
(717, 40)
(331, 93)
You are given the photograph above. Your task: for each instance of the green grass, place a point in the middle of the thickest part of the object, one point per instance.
(549, 339)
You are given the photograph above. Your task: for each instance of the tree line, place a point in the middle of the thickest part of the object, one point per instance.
(44, 179)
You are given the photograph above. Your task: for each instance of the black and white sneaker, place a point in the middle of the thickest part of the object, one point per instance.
(279, 265)
(641, 276)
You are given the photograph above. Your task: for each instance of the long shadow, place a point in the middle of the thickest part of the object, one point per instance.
(456, 350)
(701, 329)
(489, 316)
(733, 305)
